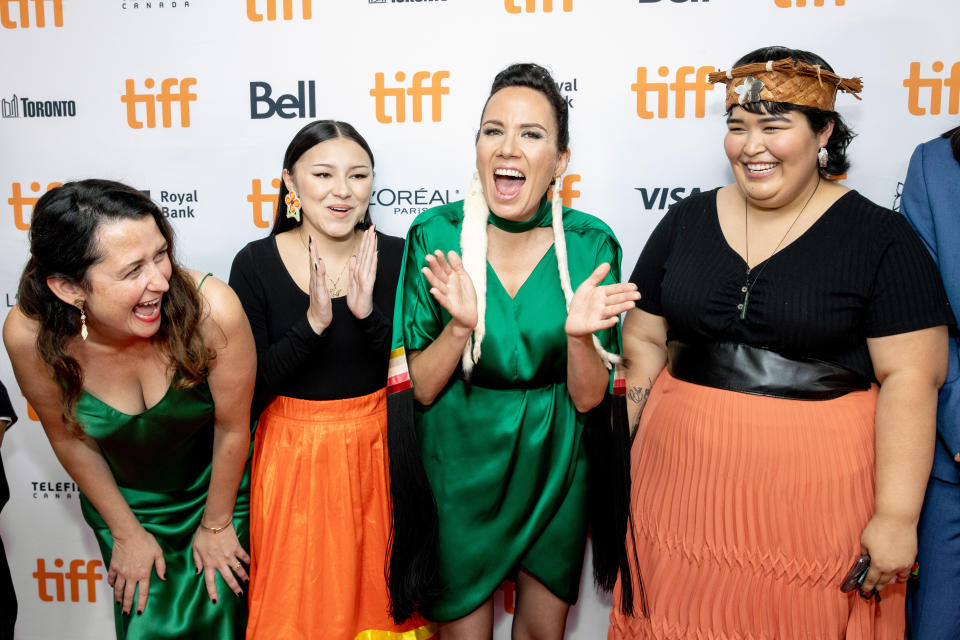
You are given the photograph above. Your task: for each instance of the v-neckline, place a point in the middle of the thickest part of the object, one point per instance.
(736, 254)
(536, 267)
(147, 410)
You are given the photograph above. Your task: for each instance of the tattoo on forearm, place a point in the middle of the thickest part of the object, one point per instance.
(639, 395)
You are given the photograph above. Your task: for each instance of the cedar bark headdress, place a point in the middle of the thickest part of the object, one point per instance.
(786, 80)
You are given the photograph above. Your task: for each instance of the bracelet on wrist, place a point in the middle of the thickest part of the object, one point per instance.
(215, 530)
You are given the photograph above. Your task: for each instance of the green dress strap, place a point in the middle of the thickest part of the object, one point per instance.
(203, 279)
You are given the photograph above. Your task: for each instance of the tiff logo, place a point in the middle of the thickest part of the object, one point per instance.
(914, 83)
(39, 13)
(257, 198)
(80, 571)
(567, 193)
(786, 4)
(19, 202)
(680, 87)
(513, 6)
(253, 16)
(171, 90)
(416, 92)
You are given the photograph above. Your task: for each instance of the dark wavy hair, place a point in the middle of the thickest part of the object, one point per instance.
(308, 137)
(63, 244)
(954, 137)
(533, 76)
(837, 163)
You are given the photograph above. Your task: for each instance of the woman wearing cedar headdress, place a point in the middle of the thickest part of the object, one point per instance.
(505, 364)
(787, 324)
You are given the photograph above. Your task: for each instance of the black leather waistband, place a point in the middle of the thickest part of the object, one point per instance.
(740, 367)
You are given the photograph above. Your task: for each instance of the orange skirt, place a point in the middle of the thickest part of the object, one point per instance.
(747, 514)
(320, 523)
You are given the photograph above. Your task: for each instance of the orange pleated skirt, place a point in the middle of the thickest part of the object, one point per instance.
(747, 513)
(320, 523)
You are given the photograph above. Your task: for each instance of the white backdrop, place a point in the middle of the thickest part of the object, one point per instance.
(158, 93)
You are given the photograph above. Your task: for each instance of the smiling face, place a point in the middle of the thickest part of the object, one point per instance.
(333, 180)
(773, 157)
(517, 153)
(123, 290)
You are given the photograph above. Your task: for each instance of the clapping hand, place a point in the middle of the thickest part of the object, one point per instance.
(320, 311)
(452, 288)
(595, 307)
(363, 275)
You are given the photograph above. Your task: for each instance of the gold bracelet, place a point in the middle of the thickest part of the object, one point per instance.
(215, 530)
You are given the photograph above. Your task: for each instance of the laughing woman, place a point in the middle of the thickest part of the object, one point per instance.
(141, 372)
(502, 434)
(791, 338)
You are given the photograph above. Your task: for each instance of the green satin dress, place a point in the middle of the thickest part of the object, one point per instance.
(504, 455)
(161, 460)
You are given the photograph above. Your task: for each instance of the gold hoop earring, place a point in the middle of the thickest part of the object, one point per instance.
(78, 303)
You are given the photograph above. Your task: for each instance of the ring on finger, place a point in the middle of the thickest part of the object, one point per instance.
(237, 565)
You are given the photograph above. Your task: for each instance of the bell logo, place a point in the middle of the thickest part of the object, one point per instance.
(171, 90)
(253, 16)
(567, 193)
(417, 91)
(80, 570)
(19, 202)
(286, 105)
(513, 6)
(39, 13)
(786, 4)
(679, 87)
(914, 83)
(257, 198)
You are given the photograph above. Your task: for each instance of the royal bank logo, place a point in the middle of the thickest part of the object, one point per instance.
(566, 87)
(54, 490)
(23, 204)
(254, 7)
(660, 198)
(174, 95)
(390, 103)
(686, 80)
(927, 93)
(531, 6)
(786, 4)
(405, 202)
(17, 107)
(302, 104)
(82, 576)
(179, 205)
(127, 5)
(16, 14)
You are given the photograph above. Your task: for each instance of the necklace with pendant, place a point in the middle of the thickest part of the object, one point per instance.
(333, 285)
(748, 285)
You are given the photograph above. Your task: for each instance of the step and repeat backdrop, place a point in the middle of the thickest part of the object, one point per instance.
(196, 100)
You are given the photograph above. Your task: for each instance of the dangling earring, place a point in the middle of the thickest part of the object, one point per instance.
(293, 205)
(823, 156)
(78, 303)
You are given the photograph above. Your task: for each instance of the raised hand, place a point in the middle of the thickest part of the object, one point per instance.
(595, 307)
(221, 552)
(131, 564)
(452, 288)
(320, 311)
(363, 275)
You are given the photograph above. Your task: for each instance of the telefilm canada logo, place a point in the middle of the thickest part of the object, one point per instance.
(53, 489)
(146, 5)
(21, 107)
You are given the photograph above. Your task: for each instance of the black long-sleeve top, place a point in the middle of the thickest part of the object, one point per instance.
(349, 359)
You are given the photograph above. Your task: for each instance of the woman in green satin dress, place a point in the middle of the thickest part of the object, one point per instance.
(501, 435)
(142, 381)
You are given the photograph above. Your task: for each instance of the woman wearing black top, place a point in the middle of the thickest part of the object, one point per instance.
(319, 294)
(787, 324)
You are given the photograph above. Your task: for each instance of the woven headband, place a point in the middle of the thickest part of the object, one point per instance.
(787, 80)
